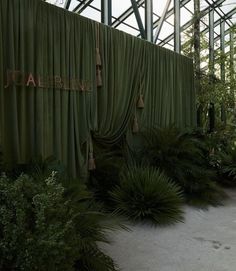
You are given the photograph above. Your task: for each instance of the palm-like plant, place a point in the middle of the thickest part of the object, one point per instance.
(182, 156)
(227, 165)
(92, 225)
(146, 194)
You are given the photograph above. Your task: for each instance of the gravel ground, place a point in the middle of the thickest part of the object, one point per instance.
(206, 241)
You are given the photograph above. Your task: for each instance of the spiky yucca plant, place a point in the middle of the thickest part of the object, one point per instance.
(146, 194)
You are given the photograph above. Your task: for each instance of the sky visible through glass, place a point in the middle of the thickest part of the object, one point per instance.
(130, 24)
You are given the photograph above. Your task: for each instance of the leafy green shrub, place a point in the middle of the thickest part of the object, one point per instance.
(36, 231)
(42, 228)
(182, 156)
(147, 194)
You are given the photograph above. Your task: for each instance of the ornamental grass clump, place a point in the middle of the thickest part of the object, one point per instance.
(147, 194)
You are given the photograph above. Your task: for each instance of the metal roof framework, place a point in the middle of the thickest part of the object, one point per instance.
(165, 22)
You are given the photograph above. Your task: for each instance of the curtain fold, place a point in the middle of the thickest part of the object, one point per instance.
(54, 105)
(121, 63)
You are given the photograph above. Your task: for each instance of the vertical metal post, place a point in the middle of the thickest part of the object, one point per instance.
(106, 12)
(222, 66)
(222, 48)
(177, 39)
(211, 68)
(196, 42)
(231, 52)
(232, 63)
(149, 19)
(211, 42)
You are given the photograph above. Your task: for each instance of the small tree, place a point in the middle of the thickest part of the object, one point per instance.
(212, 89)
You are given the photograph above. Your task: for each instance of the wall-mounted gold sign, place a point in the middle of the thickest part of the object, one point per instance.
(19, 78)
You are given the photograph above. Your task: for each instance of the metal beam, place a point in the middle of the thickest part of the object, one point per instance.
(163, 16)
(211, 42)
(82, 6)
(232, 69)
(177, 39)
(67, 4)
(227, 44)
(190, 22)
(171, 12)
(222, 48)
(128, 25)
(196, 44)
(218, 37)
(106, 12)
(126, 14)
(225, 18)
(149, 19)
(220, 15)
(138, 18)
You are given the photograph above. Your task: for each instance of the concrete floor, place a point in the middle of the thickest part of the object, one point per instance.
(205, 242)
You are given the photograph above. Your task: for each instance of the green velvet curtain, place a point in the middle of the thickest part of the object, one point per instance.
(38, 38)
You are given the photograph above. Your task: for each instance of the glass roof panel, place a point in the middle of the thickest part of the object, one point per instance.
(132, 21)
(190, 6)
(130, 25)
(128, 29)
(119, 6)
(166, 30)
(91, 13)
(185, 16)
(228, 5)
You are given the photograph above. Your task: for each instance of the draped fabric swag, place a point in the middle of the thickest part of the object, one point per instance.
(38, 40)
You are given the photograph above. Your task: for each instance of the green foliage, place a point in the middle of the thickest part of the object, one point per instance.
(43, 228)
(92, 227)
(182, 156)
(222, 144)
(227, 165)
(36, 231)
(39, 168)
(94, 259)
(109, 163)
(212, 88)
(146, 194)
(1, 160)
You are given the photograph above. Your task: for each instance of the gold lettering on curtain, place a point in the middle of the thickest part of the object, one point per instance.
(19, 78)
